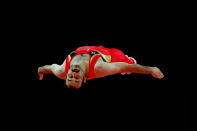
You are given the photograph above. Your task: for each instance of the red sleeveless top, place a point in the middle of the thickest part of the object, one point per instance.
(108, 55)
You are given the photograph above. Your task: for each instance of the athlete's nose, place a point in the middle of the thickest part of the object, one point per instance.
(74, 74)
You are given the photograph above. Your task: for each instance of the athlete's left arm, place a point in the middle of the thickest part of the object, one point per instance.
(104, 69)
(57, 70)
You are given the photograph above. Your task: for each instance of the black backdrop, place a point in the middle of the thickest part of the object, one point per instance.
(114, 102)
(119, 102)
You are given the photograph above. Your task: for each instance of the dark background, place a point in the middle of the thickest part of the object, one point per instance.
(46, 35)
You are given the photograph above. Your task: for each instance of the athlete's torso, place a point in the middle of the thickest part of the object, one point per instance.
(81, 57)
(89, 56)
(94, 55)
(85, 58)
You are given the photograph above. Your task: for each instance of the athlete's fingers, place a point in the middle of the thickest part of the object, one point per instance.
(41, 76)
(157, 73)
(160, 76)
(40, 73)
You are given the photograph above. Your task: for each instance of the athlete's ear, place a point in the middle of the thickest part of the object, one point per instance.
(84, 80)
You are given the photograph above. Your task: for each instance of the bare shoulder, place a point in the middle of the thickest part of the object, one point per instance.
(102, 69)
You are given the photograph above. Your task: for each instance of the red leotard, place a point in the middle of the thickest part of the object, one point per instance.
(107, 54)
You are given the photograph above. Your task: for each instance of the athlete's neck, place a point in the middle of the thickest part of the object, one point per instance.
(83, 65)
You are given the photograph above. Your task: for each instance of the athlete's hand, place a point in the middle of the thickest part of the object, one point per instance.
(157, 73)
(41, 72)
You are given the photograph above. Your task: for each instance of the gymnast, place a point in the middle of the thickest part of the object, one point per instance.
(90, 62)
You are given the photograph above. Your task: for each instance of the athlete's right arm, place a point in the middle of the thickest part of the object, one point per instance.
(104, 69)
(57, 70)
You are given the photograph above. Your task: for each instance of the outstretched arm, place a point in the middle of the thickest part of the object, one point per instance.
(105, 69)
(57, 70)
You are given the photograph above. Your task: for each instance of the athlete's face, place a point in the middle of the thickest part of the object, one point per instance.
(74, 77)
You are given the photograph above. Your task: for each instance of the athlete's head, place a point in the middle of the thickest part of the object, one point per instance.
(75, 77)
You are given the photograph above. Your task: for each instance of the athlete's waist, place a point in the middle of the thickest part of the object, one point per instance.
(92, 53)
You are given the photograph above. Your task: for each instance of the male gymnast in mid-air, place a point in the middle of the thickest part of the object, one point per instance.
(89, 62)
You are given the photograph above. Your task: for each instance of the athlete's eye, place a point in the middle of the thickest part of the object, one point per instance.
(70, 75)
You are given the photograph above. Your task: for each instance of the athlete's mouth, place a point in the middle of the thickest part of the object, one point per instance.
(75, 70)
